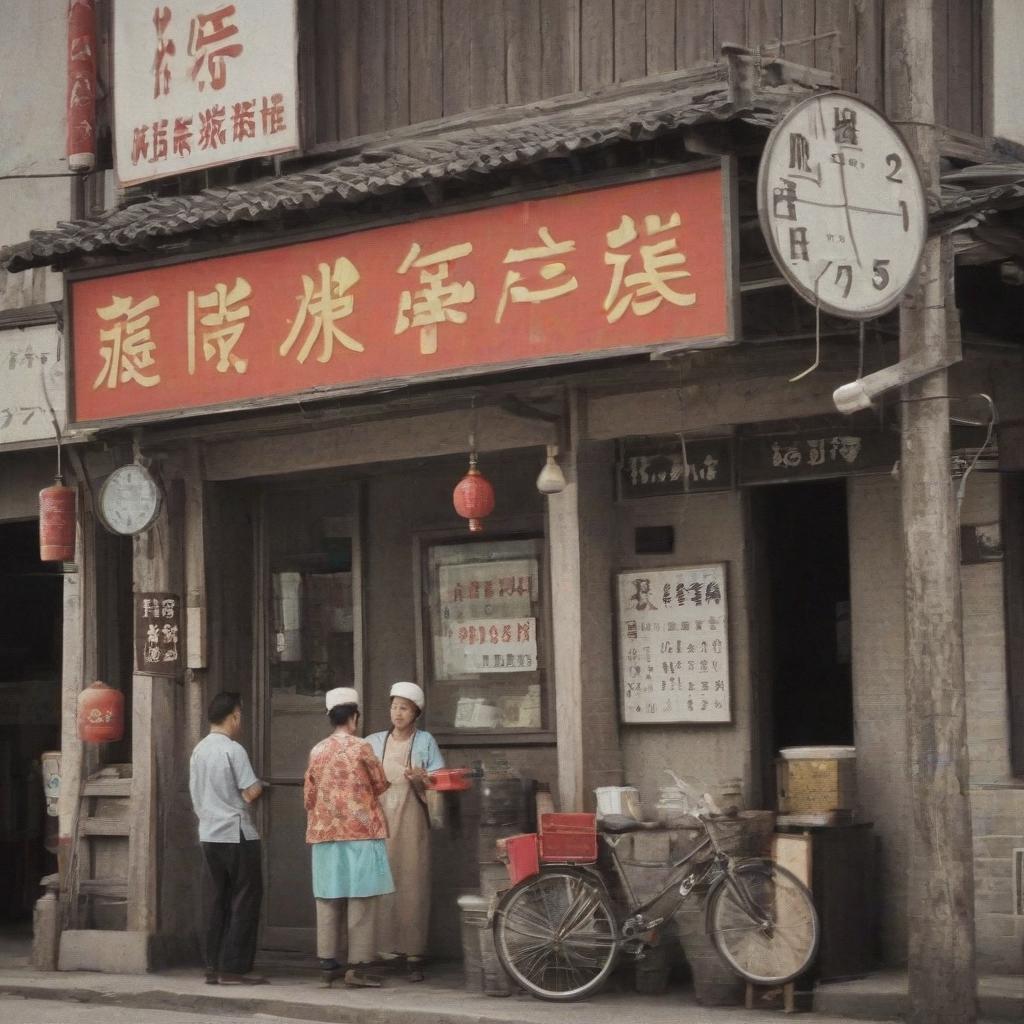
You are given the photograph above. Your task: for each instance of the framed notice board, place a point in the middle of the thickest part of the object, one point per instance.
(673, 640)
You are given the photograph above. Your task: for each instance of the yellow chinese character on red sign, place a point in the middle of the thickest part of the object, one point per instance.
(325, 306)
(554, 273)
(223, 325)
(128, 348)
(433, 303)
(644, 290)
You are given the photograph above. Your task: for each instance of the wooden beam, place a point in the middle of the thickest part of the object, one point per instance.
(361, 443)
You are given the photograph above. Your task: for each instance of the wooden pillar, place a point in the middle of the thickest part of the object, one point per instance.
(152, 719)
(941, 912)
(195, 598)
(580, 541)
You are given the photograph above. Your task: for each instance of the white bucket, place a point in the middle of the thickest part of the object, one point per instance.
(623, 800)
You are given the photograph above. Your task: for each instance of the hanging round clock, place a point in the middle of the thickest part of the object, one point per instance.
(842, 206)
(129, 500)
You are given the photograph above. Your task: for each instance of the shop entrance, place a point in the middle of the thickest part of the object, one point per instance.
(803, 617)
(309, 640)
(31, 605)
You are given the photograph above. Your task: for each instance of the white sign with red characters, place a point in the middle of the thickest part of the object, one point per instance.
(198, 83)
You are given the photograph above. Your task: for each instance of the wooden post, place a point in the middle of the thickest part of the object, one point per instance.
(580, 542)
(941, 912)
(152, 720)
(195, 597)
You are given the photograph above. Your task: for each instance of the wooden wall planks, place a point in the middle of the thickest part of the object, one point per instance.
(523, 41)
(630, 40)
(369, 65)
(597, 43)
(695, 24)
(661, 36)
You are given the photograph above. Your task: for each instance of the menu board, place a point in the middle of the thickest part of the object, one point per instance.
(673, 636)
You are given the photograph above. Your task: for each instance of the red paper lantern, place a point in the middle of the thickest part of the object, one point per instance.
(100, 714)
(473, 497)
(81, 97)
(57, 523)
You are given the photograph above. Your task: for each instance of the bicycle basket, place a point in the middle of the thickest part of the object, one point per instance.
(747, 834)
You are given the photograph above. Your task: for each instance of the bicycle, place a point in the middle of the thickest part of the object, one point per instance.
(558, 934)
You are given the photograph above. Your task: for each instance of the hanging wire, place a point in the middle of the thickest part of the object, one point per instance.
(682, 435)
(817, 340)
(993, 419)
(862, 331)
(472, 426)
(53, 420)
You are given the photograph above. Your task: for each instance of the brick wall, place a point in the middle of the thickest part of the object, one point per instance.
(997, 800)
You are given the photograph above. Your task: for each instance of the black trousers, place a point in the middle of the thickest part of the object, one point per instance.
(232, 892)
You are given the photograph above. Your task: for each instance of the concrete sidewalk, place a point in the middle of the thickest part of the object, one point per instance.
(442, 1000)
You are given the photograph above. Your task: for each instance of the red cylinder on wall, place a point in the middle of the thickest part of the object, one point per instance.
(81, 99)
(100, 714)
(57, 523)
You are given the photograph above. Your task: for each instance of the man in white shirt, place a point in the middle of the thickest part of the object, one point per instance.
(223, 785)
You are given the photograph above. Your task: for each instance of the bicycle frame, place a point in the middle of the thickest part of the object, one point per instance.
(677, 877)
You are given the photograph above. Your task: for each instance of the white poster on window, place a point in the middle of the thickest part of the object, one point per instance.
(480, 646)
(32, 369)
(198, 83)
(673, 636)
(488, 617)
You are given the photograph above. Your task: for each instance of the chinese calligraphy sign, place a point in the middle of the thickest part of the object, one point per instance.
(158, 634)
(601, 272)
(202, 82)
(820, 453)
(651, 466)
(487, 617)
(673, 638)
(31, 360)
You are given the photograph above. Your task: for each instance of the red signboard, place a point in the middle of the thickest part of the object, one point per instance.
(588, 274)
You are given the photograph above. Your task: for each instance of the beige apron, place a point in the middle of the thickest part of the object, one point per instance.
(402, 916)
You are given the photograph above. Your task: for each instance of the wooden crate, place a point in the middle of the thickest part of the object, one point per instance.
(811, 785)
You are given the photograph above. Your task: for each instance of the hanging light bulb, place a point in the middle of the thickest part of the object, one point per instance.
(551, 479)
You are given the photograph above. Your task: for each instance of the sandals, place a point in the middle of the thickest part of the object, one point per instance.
(354, 978)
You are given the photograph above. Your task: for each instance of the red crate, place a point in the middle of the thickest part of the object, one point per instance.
(521, 856)
(568, 838)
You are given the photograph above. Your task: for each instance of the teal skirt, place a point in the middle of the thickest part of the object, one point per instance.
(352, 867)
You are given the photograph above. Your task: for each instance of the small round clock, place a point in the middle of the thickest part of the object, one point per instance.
(129, 500)
(841, 205)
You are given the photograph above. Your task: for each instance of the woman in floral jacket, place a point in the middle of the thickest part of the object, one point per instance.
(347, 830)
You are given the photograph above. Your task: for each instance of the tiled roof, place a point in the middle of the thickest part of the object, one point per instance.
(445, 150)
(516, 136)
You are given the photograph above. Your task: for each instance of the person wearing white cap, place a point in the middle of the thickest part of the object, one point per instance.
(408, 755)
(346, 827)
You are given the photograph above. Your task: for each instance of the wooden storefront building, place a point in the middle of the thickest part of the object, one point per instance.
(306, 524)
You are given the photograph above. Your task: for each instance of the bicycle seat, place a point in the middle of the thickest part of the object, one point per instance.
(616, 824)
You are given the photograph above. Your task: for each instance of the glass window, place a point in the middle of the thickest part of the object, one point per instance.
(486, 636)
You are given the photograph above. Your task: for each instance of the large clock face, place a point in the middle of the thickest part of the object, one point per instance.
(129, 500)
(841, 205)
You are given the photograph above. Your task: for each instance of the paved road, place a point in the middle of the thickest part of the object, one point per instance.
(15, 1010)
(47, 1011)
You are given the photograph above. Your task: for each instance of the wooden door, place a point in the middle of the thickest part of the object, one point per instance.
(309, 622)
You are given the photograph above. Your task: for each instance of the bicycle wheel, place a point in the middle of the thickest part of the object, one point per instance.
(556, 935)
(766, 928)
